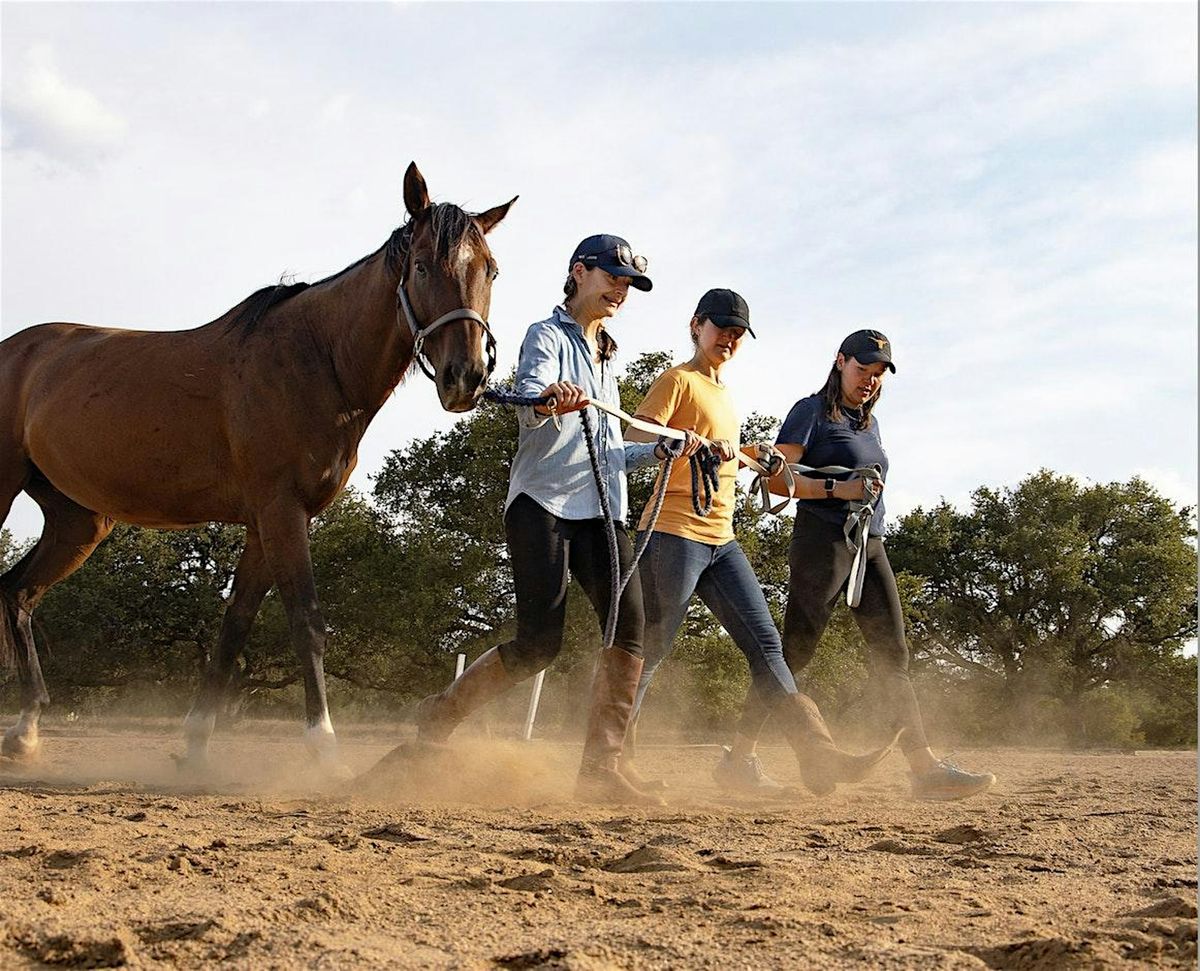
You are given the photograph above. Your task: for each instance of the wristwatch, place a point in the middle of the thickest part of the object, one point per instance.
(829, 488)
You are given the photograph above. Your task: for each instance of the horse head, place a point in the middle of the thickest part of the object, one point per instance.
(445, 292)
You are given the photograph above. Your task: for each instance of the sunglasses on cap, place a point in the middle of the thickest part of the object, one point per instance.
(624, 256)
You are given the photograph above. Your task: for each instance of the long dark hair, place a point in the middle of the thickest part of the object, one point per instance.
(831, 394)
(604, 340)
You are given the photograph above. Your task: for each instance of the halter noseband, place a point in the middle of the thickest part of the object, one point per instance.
(420, 333)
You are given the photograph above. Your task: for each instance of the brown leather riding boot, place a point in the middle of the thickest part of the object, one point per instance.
(822, 764)
(627, 766)
(438, 715)
(613, 689)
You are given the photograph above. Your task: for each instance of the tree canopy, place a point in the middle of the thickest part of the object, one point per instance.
(1052, 589)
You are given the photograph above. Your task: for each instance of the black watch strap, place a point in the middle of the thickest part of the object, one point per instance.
(829, 488)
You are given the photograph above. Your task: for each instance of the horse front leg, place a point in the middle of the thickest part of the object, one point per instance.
(283, 530)
(251, 581)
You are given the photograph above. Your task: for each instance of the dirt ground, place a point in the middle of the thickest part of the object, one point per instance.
(108, 857)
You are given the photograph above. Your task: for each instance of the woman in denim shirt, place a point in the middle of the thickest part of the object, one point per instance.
(554, 522)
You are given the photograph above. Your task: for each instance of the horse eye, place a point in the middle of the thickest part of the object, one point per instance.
(420, 268)
(495, 273)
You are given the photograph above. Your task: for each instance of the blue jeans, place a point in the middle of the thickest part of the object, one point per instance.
(672, 569)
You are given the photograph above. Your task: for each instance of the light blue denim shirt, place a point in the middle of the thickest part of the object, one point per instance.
(551, 465)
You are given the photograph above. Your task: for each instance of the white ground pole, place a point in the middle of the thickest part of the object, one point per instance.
(534, 698)
(459, 665)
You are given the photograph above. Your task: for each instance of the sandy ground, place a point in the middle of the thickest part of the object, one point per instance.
(108, 858)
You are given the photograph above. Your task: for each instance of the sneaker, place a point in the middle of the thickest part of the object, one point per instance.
(948, 782)
(743, 775)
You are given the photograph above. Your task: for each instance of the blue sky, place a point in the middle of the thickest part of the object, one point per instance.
(1008, 191)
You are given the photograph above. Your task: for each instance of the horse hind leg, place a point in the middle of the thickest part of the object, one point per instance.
(14, 474)
(251, 581)
(68, 538)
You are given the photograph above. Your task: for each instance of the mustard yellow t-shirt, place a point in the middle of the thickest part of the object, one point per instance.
(683, 397)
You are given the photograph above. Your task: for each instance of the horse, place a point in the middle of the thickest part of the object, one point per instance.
(254, 418)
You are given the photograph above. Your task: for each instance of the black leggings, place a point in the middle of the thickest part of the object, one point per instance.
(546, 552)
(820, 563)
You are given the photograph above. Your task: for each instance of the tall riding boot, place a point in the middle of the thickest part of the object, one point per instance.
(629, 769)
(613, 689)
(822, 764)
(438, 715)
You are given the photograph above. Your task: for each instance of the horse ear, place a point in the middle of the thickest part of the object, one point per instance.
(416, 196)
(487, 220)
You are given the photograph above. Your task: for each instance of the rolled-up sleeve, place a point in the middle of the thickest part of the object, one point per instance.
(538, 367)
(639, 454)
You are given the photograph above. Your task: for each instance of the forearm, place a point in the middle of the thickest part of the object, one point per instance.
(806, 488)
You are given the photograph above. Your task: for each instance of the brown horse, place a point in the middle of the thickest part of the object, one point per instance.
(254, 418)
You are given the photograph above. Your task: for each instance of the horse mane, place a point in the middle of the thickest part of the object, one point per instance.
(449, 225)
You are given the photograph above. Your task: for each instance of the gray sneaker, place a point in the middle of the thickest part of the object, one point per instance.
(743, 775)
(948, 782)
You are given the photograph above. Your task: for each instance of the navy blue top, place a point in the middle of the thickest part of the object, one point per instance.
(829, 442)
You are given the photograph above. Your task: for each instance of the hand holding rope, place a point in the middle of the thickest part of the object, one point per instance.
(770, 463)
(858, 519)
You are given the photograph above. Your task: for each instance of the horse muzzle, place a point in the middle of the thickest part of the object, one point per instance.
(460, 384)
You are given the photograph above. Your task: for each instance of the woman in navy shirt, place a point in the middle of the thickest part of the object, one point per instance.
(837, 427)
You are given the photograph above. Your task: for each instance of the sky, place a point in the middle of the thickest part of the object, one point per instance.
(1008, 191)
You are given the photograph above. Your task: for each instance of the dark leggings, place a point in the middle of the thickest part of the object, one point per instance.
(546, 552)
(820, 563)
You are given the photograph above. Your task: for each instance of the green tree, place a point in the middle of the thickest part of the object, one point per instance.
(11, 549)
(1052, 590)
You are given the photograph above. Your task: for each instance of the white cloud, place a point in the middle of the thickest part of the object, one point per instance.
(46, 114)
(1171, 484)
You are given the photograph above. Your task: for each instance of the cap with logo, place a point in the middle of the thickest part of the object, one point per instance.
(725, 308)
(613, 255)
(868, 347)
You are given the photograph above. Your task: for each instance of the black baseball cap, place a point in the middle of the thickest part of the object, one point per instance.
(613, 255)
(868, 347)
(725, 309)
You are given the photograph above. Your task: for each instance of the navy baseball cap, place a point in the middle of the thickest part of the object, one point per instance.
(868, 347)
(613, 255)
(725, 308)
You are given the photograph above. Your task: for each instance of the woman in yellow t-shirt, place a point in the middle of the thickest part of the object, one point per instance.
(689, 553)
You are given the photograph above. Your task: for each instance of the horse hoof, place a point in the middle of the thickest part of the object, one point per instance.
(20, 747)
